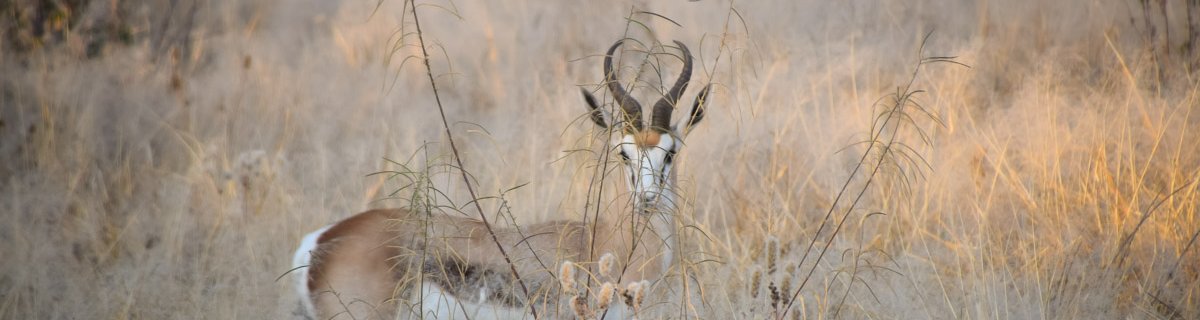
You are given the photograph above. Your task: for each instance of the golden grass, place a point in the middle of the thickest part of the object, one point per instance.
(175, 182)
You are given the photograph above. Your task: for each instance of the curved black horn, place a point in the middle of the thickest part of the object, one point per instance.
(633, 110)
(661, 118)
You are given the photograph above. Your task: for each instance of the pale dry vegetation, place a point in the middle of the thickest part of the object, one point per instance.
(163, 160)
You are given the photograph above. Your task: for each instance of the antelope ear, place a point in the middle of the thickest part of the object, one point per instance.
(597, 113)
(697, 113)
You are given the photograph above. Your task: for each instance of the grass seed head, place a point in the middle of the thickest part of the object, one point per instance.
(639, 296)
(755, 281)
(772, 252)
(566, 276)
(607, 291)
(580, 307)
(607, 261)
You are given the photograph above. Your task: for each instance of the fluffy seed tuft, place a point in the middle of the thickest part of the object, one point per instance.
(607, 291)
(579, 305)
(606, 264)
(566, 276)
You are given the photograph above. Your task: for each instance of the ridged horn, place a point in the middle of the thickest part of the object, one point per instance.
(661, 118)
(633, 110)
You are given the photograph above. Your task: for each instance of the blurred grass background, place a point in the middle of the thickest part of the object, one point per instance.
(163, 159)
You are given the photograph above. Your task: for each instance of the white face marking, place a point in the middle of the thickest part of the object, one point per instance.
(648, 170)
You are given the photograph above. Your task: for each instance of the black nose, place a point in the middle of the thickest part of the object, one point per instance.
(649, 197)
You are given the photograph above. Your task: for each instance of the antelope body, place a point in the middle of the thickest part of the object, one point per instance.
(389, 262)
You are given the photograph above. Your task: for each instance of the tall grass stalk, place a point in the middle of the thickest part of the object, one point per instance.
(412, 5)
(901, 109)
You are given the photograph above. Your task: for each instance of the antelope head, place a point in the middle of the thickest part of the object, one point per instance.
(648, 152)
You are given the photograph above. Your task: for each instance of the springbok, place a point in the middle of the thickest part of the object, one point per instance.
(368, 265)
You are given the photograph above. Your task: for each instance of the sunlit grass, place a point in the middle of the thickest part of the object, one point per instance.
(173, 178)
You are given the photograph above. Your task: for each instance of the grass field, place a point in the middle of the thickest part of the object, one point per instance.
(163, 160)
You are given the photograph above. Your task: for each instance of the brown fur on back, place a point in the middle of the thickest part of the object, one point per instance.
(351, 262)
(364, 264)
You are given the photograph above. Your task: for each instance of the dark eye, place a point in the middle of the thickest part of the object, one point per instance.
(624, 156)
(670, 155)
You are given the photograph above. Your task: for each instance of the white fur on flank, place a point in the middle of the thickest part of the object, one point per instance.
(437, 304)
(300, 262)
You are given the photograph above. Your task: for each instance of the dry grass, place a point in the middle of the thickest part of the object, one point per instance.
(172, 176)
